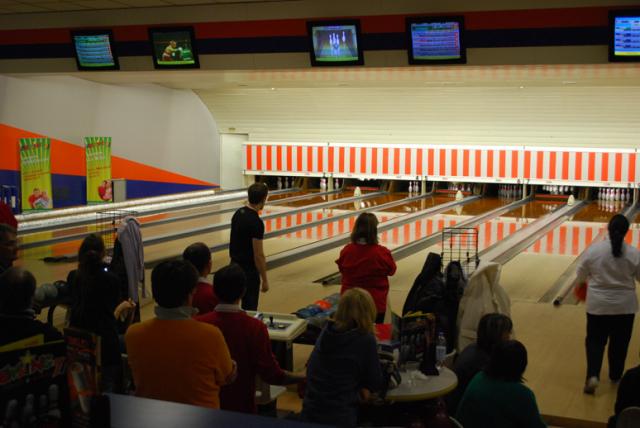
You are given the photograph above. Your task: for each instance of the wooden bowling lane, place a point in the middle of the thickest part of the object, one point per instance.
(545, 261)
(49, 272)
(29, 237)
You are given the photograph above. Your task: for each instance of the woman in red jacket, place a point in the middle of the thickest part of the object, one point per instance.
(365, 264)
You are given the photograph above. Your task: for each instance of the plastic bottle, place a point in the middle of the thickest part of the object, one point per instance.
(441, 349)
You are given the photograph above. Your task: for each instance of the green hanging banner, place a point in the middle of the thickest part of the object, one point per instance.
(35, 173)
(98, 156)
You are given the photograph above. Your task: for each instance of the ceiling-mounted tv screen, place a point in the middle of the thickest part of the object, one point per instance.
(94, 50)
(436, 40)
(624, 35)
(335, 43)
(174, 47)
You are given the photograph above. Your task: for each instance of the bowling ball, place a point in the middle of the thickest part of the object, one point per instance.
(39, 296)
(63, 288)
(50, 291)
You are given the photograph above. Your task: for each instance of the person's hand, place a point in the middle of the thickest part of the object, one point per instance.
(234, 373)
(124, 309)
(265, 286)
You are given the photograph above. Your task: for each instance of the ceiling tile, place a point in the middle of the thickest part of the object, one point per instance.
(100, 4)
(62, 6)
(23, 8)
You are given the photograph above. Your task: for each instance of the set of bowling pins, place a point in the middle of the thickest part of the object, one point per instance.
(459, 186)
(510, 191)
(43, 413)
(414, 188)
(284, 183)
(608, 194)
(558, 190)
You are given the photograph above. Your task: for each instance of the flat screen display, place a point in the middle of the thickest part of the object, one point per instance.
(174, 48)
(335, 43)
(94, 50)
(436, 40)
(624, 36)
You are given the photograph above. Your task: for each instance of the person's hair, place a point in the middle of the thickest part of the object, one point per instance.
(90, 265)
(229, 283)
(91, 254)
(5, 230)
(618, 228)
(198, 254)
(491, 330)
(366, 228)
(172, 282)
(17, 287)
(356, 310)
(508, 361)
(257, 193)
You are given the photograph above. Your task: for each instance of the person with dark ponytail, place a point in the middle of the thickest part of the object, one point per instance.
(97, 304)
(610, 269)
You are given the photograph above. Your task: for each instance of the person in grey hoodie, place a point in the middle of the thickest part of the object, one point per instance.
(344, 367)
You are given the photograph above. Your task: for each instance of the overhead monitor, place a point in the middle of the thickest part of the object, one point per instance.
(94, 50)
(624, 35)
(436, 40)
(174, 47)
(335, 43)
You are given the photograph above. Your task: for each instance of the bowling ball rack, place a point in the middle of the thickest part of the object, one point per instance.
(107, 223)
(460, 244)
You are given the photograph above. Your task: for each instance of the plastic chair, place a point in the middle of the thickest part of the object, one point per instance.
(629, 418)
(455, 422)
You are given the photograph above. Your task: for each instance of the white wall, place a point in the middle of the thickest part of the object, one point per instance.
(165, 128)
(599, 116)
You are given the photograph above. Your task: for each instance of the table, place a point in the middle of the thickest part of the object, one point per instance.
(283, 330)
(135, 412)
(413, 388)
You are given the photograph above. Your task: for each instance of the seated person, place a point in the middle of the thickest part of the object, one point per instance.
(628, 394)
(492, 329)
(496, 396)
(173, 357)
(8, 246)
(248, 341)
(199, 255)
(344, 365)
(17, 319)
(96, 305)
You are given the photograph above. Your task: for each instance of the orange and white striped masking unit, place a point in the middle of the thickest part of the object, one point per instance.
(508, 164)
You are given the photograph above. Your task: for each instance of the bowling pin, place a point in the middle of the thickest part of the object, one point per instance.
(459, 196)
(279, 183)
(410, 188)
(336, 184)
(617, 195)
(357, 191)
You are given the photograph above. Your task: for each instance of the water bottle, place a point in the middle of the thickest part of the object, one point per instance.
(441, 349)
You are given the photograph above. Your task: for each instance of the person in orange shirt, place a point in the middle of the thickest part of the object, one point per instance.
(173, 357)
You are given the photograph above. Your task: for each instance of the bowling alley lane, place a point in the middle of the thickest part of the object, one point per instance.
(48, 272)
(529, 275)
(30, 237)
(489, 233)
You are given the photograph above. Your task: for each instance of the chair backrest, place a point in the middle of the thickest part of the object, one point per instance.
(629, 418)
(455, 422)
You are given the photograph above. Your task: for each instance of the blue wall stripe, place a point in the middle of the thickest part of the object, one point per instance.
(70, 190)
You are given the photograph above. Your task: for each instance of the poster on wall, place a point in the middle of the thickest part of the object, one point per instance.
(98, 160)
(35, 173)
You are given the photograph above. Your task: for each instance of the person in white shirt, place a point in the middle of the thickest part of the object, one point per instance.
(610, 269)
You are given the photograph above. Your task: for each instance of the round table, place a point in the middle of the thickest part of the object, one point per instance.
(417, 387)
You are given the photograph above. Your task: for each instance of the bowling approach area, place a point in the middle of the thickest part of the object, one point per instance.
(535, 232)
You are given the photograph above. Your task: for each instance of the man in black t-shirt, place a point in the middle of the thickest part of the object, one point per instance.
(245, 245)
